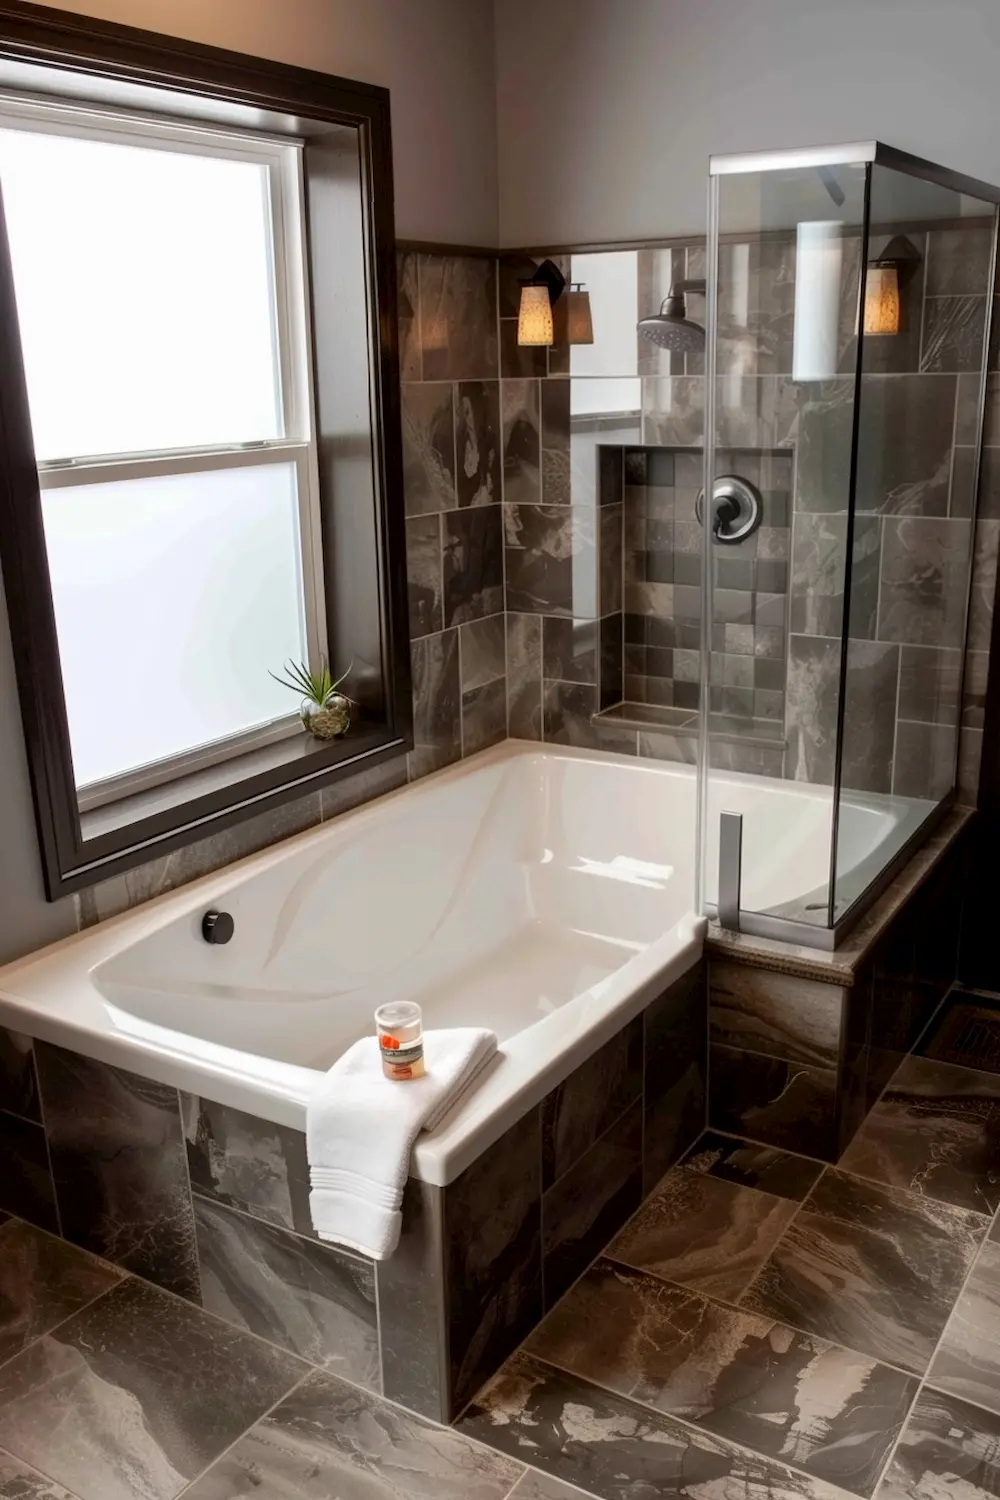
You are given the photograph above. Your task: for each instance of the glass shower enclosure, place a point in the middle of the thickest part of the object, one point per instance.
(850, 293)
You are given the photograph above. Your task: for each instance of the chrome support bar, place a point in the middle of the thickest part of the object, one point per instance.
(730, 869)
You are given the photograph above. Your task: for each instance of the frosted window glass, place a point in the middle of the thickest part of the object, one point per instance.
(173, 597)
(144, 295)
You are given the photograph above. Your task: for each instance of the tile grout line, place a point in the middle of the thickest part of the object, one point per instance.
(7, 1453)
(245, 1433)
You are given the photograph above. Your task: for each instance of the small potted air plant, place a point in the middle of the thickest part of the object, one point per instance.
(324, 712)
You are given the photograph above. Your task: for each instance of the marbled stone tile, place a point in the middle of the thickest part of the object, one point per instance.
(458, 317)
(812, 704)
(26, 1180)
(958, 261)
(42, 1281)
(99, 902)
(935, 1131)
(785, 1104)
(778, 1014)
(19, 1481)
(551, 556)
(408, 304)
(590, 1203)
(741, 1376)
(569, 649)
(925, 760)
(930, 681)
(610, 474)
(750, 1165)
(524, 676)
(967, 1363)
(520, 361)
(423, 573)
(313, 1300)
(521, 443)
(119, 1167)
(704, 1233)
(868, 708)
(412, 1306)
(531, 1487)
(610, 561)
(483, 652)
(756, 307)
(493, 1263)
(136, 1395)
(567, 711)
(478, 442)
(871, 1267)
(905, 435)
(18, 1084)
(925, 574)
(428, 448)
(437, 702)
(484, 715)
(579, 1110)
(675, 1071)
(966, 1034)
(984, 576)
(329, 1440)
(948, 1449)
(954, 329)
(819, 557)
(823, 422)
(673, 411)
(473, 564)
(618, 1449)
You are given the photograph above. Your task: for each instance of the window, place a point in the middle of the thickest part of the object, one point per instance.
(160, 278)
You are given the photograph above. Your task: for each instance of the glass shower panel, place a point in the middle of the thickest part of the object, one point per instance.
(779, 403)
(925, 320)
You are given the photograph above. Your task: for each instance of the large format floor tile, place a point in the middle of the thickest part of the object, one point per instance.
(871, 1267)
(136, 1395)
(936, 1131)
(968, 1362)
(19, 1481)
(949, 1451)
(703, 1232)
(544, 1487)
(791, 1396)
(751, 1165)
(42, 1281)
(617, 1449)
(331, 1441)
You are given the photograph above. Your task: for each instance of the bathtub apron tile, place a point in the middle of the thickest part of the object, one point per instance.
(25, 1179)
(136, 1395)
(591, 1202)
(18, 1084)
(675, 1079)
(328, 1439)
(789, 1105)
(492, 1256)
(119, 1167)
(412, 1304)
(592, 1098)
(312, 1299)
(247, 1163)
(779, 1015)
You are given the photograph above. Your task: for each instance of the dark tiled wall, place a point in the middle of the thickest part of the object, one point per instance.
(798, 1063)
(213, 1204)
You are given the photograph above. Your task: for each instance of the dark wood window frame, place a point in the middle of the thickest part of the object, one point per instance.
(364, 553)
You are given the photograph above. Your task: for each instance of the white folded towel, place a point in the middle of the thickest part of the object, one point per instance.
(360, 1129)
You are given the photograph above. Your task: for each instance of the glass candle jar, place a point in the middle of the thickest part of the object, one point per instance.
(400, 1030)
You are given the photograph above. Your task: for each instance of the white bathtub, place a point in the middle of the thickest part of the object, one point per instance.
(545, 893)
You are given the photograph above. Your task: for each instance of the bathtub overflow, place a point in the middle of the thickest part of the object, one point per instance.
(217, 927)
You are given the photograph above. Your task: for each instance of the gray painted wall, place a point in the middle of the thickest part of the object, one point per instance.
(609, 109)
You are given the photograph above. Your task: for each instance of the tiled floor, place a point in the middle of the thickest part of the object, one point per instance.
(763, 1329)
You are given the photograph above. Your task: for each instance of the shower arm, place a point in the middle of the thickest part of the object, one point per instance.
(673, 302)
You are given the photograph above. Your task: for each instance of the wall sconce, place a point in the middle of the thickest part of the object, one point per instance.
(884, 279)
(579, 319)
(534, 321)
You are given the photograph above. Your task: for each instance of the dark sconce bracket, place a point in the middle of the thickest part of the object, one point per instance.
(904, 255)
(548, 274)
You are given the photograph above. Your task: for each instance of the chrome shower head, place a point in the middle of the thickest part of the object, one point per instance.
(671, 328)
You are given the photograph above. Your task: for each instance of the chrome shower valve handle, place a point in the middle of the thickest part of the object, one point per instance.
(737, 509)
